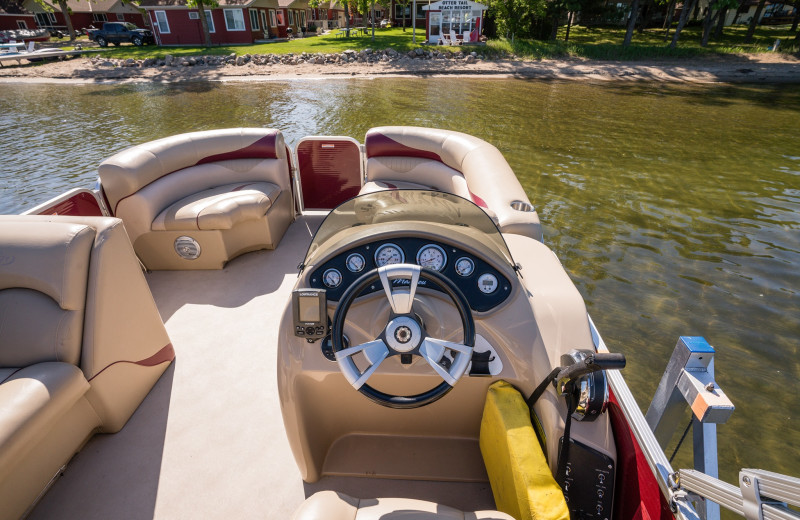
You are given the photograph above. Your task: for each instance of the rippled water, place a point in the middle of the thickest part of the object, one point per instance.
(675, 209)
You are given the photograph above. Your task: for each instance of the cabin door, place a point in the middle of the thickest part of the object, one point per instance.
(263, 14)
(330, 171)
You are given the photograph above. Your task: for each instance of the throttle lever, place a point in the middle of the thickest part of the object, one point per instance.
(592, 363)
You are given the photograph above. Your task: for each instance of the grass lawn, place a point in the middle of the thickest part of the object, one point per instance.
(601, 43)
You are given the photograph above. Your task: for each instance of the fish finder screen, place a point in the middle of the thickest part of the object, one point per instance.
(309, 308)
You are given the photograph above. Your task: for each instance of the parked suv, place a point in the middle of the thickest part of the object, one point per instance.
(118, 32)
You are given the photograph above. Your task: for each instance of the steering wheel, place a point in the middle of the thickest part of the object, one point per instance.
(403, 335)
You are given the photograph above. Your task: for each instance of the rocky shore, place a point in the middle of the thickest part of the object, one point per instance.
(756, 68)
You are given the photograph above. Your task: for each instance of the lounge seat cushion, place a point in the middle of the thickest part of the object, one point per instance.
(218, 208)
(32, 399)
(330, 505)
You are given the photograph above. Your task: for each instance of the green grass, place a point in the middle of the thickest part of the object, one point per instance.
(599, 43)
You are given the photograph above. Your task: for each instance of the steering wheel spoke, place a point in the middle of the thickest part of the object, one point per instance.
(400, 299)
(433, 349)
(374, 351)
(403, 334)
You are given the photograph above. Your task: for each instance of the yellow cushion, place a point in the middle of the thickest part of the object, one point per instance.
(521, 480)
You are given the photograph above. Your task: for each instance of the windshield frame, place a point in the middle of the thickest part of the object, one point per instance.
(344, 216)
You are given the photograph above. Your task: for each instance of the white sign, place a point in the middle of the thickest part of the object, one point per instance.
(455, 5)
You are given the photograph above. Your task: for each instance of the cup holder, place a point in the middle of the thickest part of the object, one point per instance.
(522, 206)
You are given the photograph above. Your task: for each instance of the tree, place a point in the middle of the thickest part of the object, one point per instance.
(65, 10)
(201, 11)
(751, 30)
(518, 17)
(719, 8)
(687, 8)
(631, 23)
(404, 4)
(345, 5)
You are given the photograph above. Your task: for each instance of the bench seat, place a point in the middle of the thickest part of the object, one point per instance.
(219, 208)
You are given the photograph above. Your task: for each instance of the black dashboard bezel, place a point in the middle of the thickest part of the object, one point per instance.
(478, 301)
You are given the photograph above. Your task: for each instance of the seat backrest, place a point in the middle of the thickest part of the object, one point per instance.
(454, 162)
(141, 181)
(43, 281)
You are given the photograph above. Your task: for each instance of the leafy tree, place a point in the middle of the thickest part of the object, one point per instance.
(345, 5)
(631, 23)
(518, 17)
(65, 10)
(201, 10)
(688, 7)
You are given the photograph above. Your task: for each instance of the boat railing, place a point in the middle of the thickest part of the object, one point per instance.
(698, 493)
(761, 495)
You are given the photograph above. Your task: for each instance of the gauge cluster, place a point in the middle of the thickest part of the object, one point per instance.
(482, 285)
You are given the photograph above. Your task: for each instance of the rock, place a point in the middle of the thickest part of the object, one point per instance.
(367, 51)
(149, 62)
(168, 59)
(392, 53)
(240, 61)
(470, 59)
(418, 51)
(411, 54)
(473, 54)
(105, 63)
(129, 63)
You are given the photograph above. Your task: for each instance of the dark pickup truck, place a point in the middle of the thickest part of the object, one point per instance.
(118, 32)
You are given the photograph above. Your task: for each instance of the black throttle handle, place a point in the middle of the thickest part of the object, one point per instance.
(592, 363)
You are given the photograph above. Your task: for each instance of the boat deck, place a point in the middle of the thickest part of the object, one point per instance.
(209, 441)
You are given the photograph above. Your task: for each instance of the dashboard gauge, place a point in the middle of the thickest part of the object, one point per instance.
(389, 254)
(432, 257)
(355, 263)
(487, 283)
(464, 266)
(332, 278)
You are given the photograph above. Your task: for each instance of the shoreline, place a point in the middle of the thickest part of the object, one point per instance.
(756, 68)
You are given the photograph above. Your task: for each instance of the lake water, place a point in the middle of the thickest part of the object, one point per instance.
(675, 208)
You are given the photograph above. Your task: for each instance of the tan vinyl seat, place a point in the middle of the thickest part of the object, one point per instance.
(415, 158)
(225, 192)
(81, 344)
(330, 505)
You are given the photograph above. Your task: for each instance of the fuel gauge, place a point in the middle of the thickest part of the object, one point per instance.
(355, 263)
(464, 266)
(332, 278)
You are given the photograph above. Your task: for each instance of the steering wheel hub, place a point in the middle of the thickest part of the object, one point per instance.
(403, 334)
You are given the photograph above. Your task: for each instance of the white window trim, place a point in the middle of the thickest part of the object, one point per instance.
(120, 17)
(209, 20)
(21, 24)
(281, 19)
(254, 25)
(194, 15)
(158, 22)
(99, 17)
(234, 11)
(273, 20)
(291, 16)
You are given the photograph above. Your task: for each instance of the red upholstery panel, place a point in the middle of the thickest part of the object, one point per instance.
(264, 148)
(378, 145)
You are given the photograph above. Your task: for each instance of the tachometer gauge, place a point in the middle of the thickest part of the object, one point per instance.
(355, 263)
(332, 278)
(487, 283)
(432, 257)
(389, 254)
(464, 266)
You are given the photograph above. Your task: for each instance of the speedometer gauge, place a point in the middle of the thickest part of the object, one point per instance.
(389, 254)
(432, 257)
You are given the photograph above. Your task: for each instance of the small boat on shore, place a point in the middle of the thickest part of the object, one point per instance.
(342, 330)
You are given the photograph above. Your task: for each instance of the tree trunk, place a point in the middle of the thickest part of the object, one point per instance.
(554, 30)
(372, 15)
(65, 11)
(668, 19)
(707, 23)
(201, 12)
(796, 16)
(347, 19)
(404, 15)
(754, 22)
(720, 23)
(631, 23)
(739, 11)
(569, 25)
(684, 18)
(644, 16)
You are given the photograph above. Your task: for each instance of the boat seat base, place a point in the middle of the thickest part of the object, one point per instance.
(330, 505)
